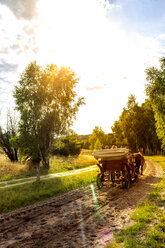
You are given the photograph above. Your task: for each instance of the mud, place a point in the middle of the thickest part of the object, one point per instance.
(84, 217)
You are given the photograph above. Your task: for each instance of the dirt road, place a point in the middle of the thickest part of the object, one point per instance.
(84, 217)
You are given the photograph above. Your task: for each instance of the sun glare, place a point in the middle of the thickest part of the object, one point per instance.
(79, 34)
(71, 31)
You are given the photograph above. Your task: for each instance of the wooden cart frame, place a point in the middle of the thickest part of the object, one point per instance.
(121, 171)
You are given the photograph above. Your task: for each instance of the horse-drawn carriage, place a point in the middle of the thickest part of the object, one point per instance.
(118, 166)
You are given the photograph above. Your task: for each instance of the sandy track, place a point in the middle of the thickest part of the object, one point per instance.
(84, 217)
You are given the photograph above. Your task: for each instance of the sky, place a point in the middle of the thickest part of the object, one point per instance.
(108, 44)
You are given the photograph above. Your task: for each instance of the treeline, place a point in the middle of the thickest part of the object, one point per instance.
(136, 129)
(139, 127)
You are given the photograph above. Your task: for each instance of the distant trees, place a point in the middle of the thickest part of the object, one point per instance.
(155, 89)
(98, 139)
(84, 140)
(124, 128)
(6, 134)
(46, 101)
(147, 136)
(136, 127)
(66, 145)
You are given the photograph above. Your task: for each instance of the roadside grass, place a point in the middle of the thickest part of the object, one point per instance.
(148, 230)
(15, 181)
(9, 171)
(23, 195)
(60, 163)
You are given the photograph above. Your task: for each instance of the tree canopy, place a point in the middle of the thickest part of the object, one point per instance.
(136, 126)
(98, 139)
(155, 89)
(48, 103)
(66, 145)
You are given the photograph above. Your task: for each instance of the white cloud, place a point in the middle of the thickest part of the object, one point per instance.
(25, 9)
(161, 37)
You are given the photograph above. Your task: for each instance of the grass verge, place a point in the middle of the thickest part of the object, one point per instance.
(9, 171)
(23, 195)
(148, 230)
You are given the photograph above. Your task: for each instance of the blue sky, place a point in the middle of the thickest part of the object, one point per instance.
(143, 16)
(109, 44)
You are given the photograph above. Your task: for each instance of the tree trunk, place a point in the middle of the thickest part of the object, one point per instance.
(37, 172)
(45, 162)
(44, 159)
(10, 155)
(36, 164)
(16, 155)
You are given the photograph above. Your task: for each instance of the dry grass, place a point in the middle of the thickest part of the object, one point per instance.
(60, 163)
(10, 170)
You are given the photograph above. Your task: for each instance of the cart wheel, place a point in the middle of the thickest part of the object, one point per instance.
(99, 181)
(112, 177)
(127, 183)
(136, 176)
(136, 173)
(122, 184)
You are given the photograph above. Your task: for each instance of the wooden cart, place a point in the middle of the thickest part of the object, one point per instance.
(122, 171)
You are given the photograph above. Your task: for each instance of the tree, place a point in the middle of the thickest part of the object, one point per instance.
(84, 140)
(98, 145)
(6, 134)
(146, 130)
(136, 127)
(98, 138)
(66, 145)
(155, 89)
(125, 128)
(46, 101)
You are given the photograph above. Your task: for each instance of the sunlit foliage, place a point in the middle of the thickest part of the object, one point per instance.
(136, 127)
(46, 101)
(155, 89)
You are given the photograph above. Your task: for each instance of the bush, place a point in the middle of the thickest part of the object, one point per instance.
(66, 146)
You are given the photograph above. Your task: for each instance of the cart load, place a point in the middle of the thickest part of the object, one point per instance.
(111, 154)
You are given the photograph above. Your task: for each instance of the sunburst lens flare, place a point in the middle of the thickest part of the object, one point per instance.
(96, 203)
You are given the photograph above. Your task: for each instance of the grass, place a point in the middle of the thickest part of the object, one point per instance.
(59, 164)
(23, 195)
(144, 213)
(9, 171)
(148, 230)
(10, 182)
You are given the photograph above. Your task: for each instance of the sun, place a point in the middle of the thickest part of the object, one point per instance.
(80, 35)
(75, 32)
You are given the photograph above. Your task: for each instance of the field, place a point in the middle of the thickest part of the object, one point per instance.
(10, 170)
